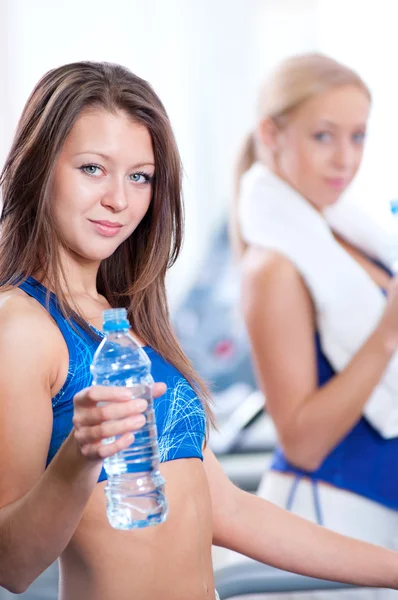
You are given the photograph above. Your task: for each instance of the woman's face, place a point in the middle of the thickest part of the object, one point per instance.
(102, 184)
(319, 150)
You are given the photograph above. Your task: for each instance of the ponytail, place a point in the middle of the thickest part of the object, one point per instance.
(246, 158)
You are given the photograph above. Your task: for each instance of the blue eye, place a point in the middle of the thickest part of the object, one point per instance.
(140, 177)
(322, 136)
(359, 138)
(91, 170)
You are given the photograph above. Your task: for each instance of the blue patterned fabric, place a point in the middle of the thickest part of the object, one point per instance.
(180, 416)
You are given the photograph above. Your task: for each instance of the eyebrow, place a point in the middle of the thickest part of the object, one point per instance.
(106, 157)
(334, 126)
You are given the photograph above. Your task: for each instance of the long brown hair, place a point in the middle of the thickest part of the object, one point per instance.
(294, 81)
(134, 276)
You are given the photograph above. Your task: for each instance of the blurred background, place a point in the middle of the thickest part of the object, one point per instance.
(206, 60)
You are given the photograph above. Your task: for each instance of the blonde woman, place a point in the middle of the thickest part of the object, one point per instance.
(322, 316)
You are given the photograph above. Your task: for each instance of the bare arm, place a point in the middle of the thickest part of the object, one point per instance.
(279, 317)
(261, 530)
(40, 509)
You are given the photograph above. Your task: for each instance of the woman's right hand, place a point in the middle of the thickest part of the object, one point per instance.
(102, 412)
(388, 325)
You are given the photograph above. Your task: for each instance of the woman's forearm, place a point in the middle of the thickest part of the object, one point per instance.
(331, 412)
(267, 533)
(35, 529)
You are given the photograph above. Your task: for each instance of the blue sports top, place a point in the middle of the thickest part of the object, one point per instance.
(363, 462)
(180, 415)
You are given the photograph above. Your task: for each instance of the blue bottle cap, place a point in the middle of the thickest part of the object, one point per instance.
(114, 319)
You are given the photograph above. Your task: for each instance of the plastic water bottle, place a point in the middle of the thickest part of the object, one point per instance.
(135, 488)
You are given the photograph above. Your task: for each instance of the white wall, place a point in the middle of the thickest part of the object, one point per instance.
(5, 96)
(362, 34)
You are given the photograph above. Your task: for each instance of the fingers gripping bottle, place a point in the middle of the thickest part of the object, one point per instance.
(135, 488)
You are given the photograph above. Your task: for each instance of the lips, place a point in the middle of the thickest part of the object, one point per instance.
(337, 183)
(106, 228)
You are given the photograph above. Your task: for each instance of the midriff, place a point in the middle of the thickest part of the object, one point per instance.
(171, 561)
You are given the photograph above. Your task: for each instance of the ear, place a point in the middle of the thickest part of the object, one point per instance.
(268, 132)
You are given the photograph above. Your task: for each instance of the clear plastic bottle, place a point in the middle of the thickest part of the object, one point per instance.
(135, 488)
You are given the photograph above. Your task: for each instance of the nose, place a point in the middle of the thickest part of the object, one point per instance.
(115, 196)
(345, 155)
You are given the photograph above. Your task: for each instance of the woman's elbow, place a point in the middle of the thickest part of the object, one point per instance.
(13, 581)
(14, 586)
(302, 457)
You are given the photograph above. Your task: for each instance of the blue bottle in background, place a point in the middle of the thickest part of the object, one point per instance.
(394, 212)
(394, 207)
(135, 488)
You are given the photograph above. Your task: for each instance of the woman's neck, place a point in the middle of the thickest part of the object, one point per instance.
(283, 177)
(79, 277)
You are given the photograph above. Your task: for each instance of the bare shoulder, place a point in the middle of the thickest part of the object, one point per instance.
(26, 325)
(18, 309)
(271, 276)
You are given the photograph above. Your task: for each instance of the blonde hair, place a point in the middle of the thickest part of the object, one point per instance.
(293, 82)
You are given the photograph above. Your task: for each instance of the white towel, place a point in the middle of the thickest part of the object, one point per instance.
(348, 304)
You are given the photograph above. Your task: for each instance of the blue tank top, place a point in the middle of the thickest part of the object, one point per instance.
(180, 415)
(363, 462)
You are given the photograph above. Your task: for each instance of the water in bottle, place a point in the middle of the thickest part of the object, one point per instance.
(135, 488)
